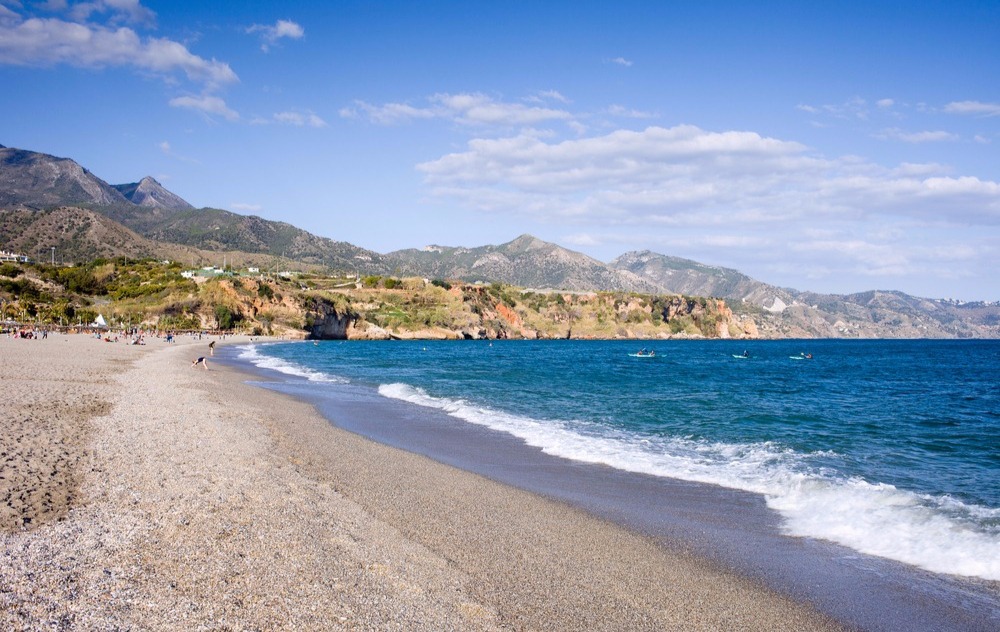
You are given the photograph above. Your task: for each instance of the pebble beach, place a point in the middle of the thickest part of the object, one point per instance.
(138, 491)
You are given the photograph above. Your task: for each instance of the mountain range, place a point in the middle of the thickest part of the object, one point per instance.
(50, 204)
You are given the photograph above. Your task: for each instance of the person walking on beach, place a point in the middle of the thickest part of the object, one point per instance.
(211, 348)
(202, 361)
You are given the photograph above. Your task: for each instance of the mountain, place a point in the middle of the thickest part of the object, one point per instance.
(788, 313)
(525, 262)
(683, 276)
(216, 229)
(48, 202)
(150, 194)
(39, 180)
(71, 234)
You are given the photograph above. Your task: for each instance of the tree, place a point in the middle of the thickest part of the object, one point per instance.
(226, 318)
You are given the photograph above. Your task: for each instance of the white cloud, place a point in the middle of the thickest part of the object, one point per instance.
(892, 257)
(164, 147)
(621, 61)
(271, 34)
(621, 111)
(51, 41)
(130, 11)
(553, 95)
(854, 108)
(885, 103)
(206, 104)
(686, 176)
(473, 109)
(977, 108)
(894, 133)
(389, 114)
(299, 119)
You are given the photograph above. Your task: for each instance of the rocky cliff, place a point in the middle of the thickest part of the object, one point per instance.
(426, 311)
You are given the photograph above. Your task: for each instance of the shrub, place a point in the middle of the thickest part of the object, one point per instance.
(226, 318)
(442, 284)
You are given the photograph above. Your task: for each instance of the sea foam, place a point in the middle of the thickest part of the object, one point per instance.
(251, 354)
(940, 534)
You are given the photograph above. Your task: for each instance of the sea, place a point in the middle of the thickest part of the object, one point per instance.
(886, 448)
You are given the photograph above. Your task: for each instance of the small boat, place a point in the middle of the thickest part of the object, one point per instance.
(651, 354)
(740, 356)
(801, 356)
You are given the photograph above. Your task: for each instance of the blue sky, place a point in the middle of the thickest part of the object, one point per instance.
(835, 148)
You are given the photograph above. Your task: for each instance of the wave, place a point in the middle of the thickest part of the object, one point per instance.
(251, 354)
(939, 534)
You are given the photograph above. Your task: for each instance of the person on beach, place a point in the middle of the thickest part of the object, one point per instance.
(211, 348)
(202, 361)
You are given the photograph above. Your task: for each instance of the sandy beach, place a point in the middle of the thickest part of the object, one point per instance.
(139, 492)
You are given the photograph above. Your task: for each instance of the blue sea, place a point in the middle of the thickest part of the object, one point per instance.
(890, 448)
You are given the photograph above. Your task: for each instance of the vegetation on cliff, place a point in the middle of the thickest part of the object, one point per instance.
(154, 294)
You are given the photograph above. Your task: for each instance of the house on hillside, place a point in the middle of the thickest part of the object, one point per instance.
(13, 256)
(208, 272)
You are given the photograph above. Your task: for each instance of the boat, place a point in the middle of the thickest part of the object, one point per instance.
(741, 356)
(651, 354)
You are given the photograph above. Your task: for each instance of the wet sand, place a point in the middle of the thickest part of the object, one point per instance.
(140, 492)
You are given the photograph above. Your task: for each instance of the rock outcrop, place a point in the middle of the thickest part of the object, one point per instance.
(150, 194)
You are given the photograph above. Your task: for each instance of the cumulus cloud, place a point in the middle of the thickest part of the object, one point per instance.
(206, 104)
(976, 108)
(686, 176)
(621, 61)
(271, 34)
(52, 41)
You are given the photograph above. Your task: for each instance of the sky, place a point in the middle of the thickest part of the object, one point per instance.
(835, 147)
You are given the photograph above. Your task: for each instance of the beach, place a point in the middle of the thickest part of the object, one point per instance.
(142, 492)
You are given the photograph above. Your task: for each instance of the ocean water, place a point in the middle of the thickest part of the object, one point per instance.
(891, 448)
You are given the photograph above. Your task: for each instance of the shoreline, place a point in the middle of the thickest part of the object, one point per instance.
(207, 501)
(732, 528)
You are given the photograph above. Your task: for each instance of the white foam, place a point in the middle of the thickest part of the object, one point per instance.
(251, 354)
(940, 534)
